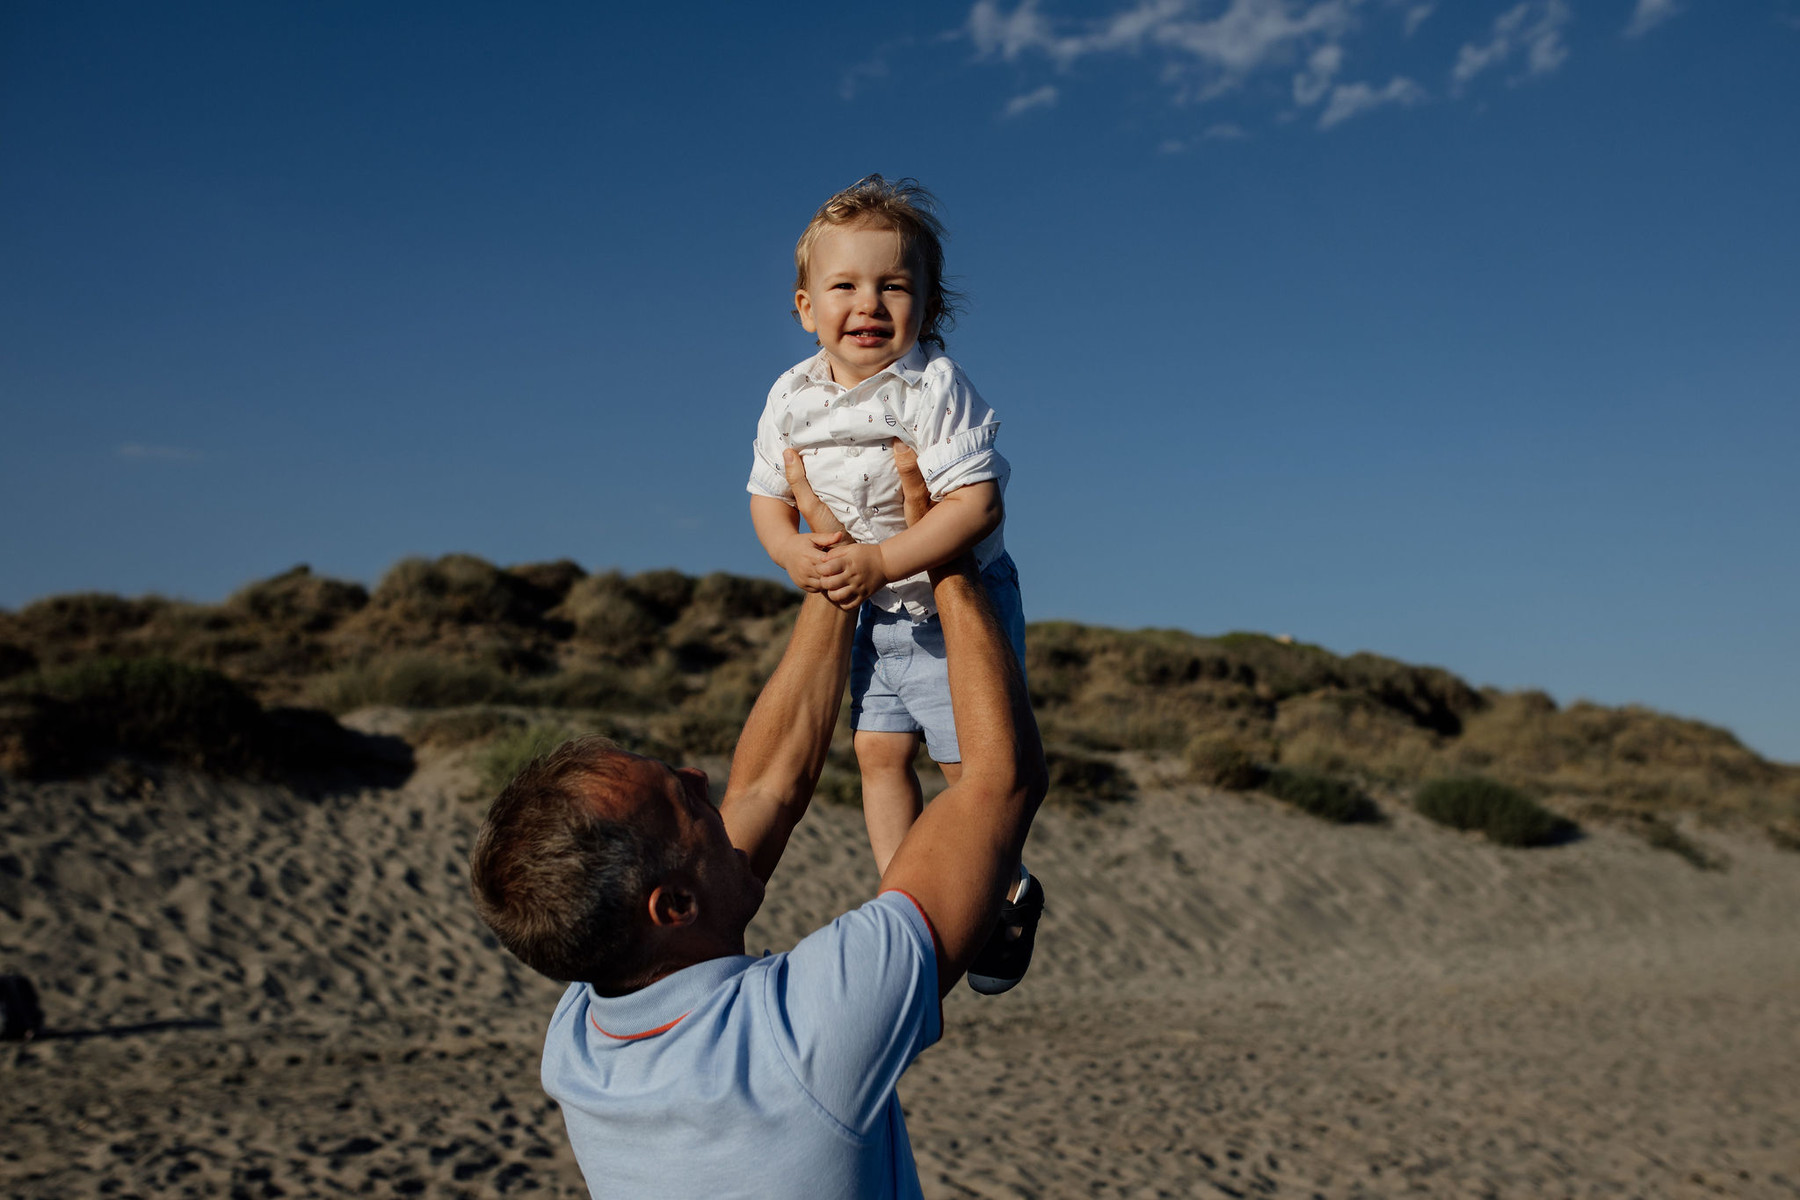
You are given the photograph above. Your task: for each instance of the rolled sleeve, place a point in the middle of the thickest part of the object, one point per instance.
(955, 435)
(768, 477)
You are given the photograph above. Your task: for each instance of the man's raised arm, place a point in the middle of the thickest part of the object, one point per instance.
(960, 856)
(782, 749)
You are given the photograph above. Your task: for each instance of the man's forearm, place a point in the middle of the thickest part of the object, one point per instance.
(994, 724)
(782, 748)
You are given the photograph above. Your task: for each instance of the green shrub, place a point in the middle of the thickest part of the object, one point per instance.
(69, 721)
(1321, 795)
(163, 710)
(1220, 760)
(507, 754)
(1506, 815)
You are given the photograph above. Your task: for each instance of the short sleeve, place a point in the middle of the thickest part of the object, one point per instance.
(768, 477)
(855, 1003)
(955, 434)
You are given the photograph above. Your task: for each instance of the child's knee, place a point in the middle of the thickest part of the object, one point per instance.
(885, 752)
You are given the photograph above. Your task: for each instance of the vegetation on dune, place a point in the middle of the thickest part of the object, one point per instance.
(1322, 796)
(1505, 814)
(671, 664)
(72, 719)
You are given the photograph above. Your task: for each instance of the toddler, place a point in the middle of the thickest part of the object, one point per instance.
(869, 281)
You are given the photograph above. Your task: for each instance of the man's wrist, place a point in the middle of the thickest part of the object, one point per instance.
(963, 566)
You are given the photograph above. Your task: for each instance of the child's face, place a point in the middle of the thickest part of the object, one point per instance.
(862, 299)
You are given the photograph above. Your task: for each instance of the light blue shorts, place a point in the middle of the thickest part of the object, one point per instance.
(899, 677)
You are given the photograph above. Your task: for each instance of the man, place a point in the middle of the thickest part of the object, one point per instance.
(683, 1066)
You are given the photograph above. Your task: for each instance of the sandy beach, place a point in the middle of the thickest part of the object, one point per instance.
(255, 992)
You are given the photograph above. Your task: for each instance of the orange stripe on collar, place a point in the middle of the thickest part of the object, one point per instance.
(632, 1037)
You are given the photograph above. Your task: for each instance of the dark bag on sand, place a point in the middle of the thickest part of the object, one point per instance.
(21, 1017)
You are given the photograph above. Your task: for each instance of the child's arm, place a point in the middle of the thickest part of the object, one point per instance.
(799, 554)
(852, 573)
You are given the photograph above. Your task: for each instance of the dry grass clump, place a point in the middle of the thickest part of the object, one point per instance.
(461, 727)
(457, 589)
(1322, 796)
(412, 681)
(1223, 761)
(1658, 832)
(1627, 757)
(1085, 782)
(1504, 814)
(298, 599)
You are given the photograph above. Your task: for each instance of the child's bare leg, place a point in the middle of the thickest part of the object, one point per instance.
(890, 789)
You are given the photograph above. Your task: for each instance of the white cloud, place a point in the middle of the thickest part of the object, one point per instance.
(159, 453)
(1247, 36)
(860, 73)
(1353, 99)
(1533, 28)
(1225, 131)
(1311, 84)
(1044, 97)
(1648, 15)
(1202, 50)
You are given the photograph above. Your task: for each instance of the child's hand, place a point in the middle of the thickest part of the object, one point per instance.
(803, 555)
(852, 573)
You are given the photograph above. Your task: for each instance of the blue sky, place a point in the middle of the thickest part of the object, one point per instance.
(1463, 333)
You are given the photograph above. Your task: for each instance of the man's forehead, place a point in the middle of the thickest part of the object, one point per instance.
(624, 786)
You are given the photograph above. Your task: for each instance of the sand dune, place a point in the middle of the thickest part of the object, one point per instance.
(253, 992)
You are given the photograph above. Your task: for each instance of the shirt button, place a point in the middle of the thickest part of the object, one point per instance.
(853, 451)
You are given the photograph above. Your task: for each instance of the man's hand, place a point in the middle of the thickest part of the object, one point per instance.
(819, 517)
(852, 573)
(913, 492)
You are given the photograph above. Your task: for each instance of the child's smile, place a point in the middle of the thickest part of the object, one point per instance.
(861, 299)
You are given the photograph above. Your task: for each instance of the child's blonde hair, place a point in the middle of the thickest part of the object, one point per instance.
(904, 206)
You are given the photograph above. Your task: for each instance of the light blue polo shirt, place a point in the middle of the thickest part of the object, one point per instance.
(754, 1077)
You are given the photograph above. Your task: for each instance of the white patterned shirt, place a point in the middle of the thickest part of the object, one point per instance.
(927, 402)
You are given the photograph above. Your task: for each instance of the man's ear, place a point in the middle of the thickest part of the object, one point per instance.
(672, 905)
(803, 306)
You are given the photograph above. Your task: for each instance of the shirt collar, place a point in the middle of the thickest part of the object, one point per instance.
(908, 368)
(660, 1005)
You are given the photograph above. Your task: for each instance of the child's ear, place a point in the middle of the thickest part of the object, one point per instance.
(803, 307)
